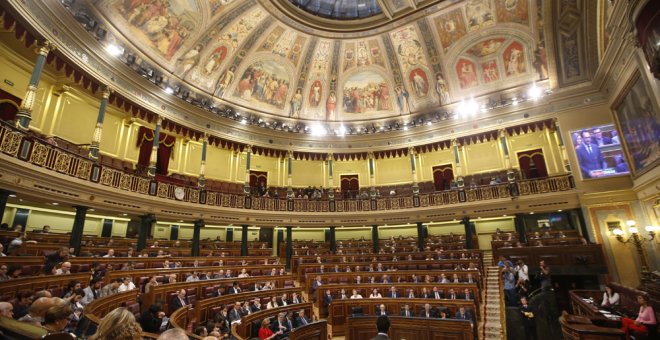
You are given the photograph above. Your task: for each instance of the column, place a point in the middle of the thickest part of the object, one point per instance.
(331, 182)
(333, 240)
(415, 186)
(420, 236)
(4, 196)
(154, 148)
(146, 221)
(457, 162)
(77, 230)
(248, 155)
(98, 130)
(201, 180)
(510, 172)
(469, 242)
(24, 115)
(372, 179)
(519, 223)
(562, 147)
(289, 246)
(197, 229)
(374, 238)
(289, 174)
(244, 240)
(584, 229)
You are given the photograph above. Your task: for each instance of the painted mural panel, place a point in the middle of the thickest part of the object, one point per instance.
(321, 59)
(479, 14)
(349, 55)
(489, 72)
(467, 73)
(366, 92)
(640, 125)
(264, 82)
(512, 11)
(419, 81)
(408, 48)
(486, 47)
(514, 59)
(451, 27)
(315, 93)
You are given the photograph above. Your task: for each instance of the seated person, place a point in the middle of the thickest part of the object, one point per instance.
(610, 298)
(644, 320)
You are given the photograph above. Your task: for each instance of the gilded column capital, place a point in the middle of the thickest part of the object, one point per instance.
(159, 120)
(45, 47)
(107, 90)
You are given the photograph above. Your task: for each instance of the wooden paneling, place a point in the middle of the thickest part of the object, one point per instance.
(364, 328)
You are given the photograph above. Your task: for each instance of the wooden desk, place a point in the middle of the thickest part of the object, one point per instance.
(341, 310)
(14, 329)
(364, 328)
(10, 288)
(317, 330)
(97, 309)
(564, 260)
(585, 331)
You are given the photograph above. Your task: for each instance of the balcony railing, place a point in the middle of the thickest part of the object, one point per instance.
(40, 153)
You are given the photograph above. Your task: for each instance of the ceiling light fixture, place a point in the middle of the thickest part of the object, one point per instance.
(318, 130)
(114, 50)
(169, 90)
(243, 121)
(534, 93)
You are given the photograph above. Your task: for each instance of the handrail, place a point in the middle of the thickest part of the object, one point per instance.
(40, 153)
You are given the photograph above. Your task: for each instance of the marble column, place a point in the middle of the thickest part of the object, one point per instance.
(77, 230)
(94, 147)
(24, 115)
(154, 149)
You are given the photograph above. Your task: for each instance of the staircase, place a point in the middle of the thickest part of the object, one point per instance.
(494, 327)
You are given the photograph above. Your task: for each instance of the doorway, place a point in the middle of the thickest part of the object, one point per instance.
(532, 164)
(443, 175)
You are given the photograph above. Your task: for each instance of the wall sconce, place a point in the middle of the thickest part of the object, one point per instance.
(637, 239)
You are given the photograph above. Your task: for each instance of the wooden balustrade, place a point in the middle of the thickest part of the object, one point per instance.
(199, 289)
(98, 308)
(364, 328)
(243, 330)
(580, 328)
(566, 241)
(366, 289)
(181, 273)
(32, 249)
(10, 288)
(341, 311)
(297, 260)
(448, 267)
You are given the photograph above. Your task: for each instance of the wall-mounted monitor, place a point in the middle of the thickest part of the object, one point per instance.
(598, 152)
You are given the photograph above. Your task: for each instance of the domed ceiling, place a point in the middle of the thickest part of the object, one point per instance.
(255, 56)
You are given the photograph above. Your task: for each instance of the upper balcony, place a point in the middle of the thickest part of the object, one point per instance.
(37, 169)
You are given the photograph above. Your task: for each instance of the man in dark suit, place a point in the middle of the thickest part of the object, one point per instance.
(327, 298)
(467, 295)
(301, 319)
(529, 318)
(589, 156)
(256, 305)
(383, 326)
(452, 294)
(393, 293)
(280, 324)
(316, 283)
(179, 300)
(235, 313)
(462, 314)
(406, 311)
(427, 312)
(235, 289)
(436, 294)
(381, 310)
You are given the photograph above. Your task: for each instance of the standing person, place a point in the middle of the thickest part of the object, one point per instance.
(644, 320)
(529, 318)
(152, 318)
(383, 326)
(509, 286)
(544, 276)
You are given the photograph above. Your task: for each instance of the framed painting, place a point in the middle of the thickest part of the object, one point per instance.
(639, 122)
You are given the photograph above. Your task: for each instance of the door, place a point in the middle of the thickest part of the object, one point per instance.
(532, 164)
(442, 176)
(258, 182)
(350, 185)
(266, 235)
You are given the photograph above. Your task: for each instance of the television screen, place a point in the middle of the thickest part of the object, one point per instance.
(598, 152)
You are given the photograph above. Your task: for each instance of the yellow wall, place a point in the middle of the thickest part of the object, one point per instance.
(444, 228)
(390, 171)
(395, 231)
(352, 233)
(487, 226)
(315, 234)
(306, 173)
(482, 157)
(271, 166)
(536, 140)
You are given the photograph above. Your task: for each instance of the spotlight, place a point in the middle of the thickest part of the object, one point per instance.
(169, 90)
(67, 3)
(318, 130)
(534, 93)
(342, 131)
(114, 50)
(243, 121)
(130, 59)
(468, 108)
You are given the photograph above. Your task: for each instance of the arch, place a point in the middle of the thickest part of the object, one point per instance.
(365, 87)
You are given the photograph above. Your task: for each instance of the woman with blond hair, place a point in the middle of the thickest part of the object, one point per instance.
(119, 324)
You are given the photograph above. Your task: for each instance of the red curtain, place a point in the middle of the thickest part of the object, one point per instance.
(145, 140)
(532, 164)
(350, 183)
(257, 177)
(9, 105)
(442, 176)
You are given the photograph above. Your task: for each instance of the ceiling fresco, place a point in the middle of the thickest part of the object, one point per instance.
(237, 52)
